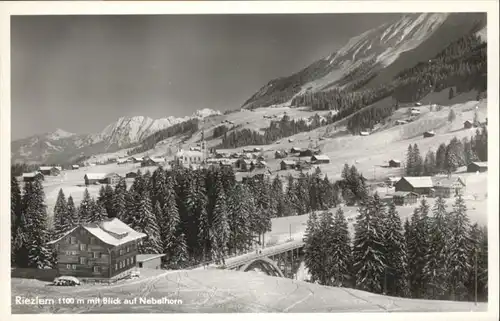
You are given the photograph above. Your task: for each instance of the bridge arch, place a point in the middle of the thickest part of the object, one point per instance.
(264, 264)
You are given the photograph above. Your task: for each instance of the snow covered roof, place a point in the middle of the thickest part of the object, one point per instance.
(288, 162)
(446, 182)
(419, 182)
(110, 231)
(395, 160)
(148, 257)
(95, 175)
(75, 166)
(480, 164)
(112, 174)
(32, 174)
(122, 160)
(321, 157)
(48, 168)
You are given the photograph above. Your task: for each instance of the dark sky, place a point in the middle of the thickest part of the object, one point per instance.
(80, 73)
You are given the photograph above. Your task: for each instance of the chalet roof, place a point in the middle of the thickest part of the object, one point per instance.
(122, 160)
(288, 162)
(430, 132)
(468, 121)
(321, 157)
(95, 175)
(446, 182)
(110, 231)
(75, 166)
(419, 182)
(148, 257)
(112, 174)
(402, 194)
(262, 163)
(157, 159)
(395, 160)
(32, 174)
(393, 179)
(480, 164)
(46, 168)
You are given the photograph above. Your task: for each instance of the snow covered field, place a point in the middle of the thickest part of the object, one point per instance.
(221, 291)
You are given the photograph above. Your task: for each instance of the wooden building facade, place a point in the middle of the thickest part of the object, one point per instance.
(105, 250)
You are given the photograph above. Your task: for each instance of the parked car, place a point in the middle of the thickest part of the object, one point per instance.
(66, 281)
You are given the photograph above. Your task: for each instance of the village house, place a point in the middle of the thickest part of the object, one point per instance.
(247, 150)
(75, 166)
(401, 122)
(295, 150)
(303, 166)
(475, 167)
(404, 198)
(306, 153)
(320, 159)
(188, 158)
(112, 179)
(394, 163)
(101, 251)
(261, 164)
(94, 178)
(257, 149)
(280, 154)
(429, 134)
(150, 261)
(290, 140)
(121, 161)
(131, 175)
(415, 112)
(287, 164)
(30, 177)
(152, 161)
(257, 175)
(50, 170)
(363, 133)
(468, 124)
(420, 185)
(447, 186)
(244, 164)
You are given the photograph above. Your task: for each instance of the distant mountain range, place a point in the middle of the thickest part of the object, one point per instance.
(402, 60)
(62, 146)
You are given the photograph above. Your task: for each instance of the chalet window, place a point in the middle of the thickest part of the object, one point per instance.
(116, 266)
(121, 252)
(68, 266)
(73, 266)
(73, 240)
(95, 255)
(128, 261)
(97, 268)
(83, 247)
(92, 240)
(82, 260)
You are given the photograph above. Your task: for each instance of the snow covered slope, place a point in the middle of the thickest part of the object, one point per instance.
(371, 53)
(218, 291)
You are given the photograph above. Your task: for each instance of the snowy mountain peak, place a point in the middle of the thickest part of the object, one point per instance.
(205, 112)
(59, 133)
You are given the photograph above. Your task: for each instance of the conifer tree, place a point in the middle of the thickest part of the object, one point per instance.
(341, 256)
(106, 196)
(119, 199)
(396, 274)
(39, 255)
(313, 256)
(418, 249)
(72, 212)
(16, 219)
(148, 225)
(451, 115)
(238, 218)
(435, 268)
(417, 161)
(459, 244)
(97, 212)
(429, 164)
(410, 158)
(85, 208)
(62, 218)
(368, 247)
(220, 225)
(441, 158)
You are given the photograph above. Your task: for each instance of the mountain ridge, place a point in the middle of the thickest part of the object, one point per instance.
(61, 145)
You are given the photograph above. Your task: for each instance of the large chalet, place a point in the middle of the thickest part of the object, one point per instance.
(104, 250)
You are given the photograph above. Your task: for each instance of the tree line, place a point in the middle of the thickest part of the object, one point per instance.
(448, 157)
(191, 215)
(433, 255)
